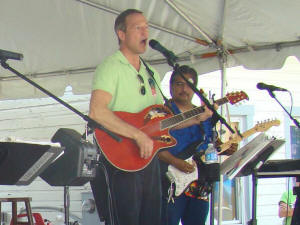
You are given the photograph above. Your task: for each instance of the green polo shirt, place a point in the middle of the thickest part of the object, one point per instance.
(118, 77)
(289, 198)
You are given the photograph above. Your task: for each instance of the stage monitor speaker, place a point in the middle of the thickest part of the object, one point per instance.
(77, 165)
(21, 163)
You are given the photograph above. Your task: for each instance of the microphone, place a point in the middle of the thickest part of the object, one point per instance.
(268, 87)
(171, 57)
(10, 55)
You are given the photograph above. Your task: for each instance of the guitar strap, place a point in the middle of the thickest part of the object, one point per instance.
(151, 73)
(190, 150)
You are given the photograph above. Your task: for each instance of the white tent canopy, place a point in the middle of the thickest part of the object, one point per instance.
(64, 40)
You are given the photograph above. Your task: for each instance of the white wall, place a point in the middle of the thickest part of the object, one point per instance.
(38, 120)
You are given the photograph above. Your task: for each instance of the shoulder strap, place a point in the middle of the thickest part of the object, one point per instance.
(151, 73)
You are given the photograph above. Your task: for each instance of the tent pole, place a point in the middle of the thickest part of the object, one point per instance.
(222, 61)
(188, 19)
(155, 26)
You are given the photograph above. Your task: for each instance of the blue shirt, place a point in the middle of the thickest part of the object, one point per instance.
(191, 134)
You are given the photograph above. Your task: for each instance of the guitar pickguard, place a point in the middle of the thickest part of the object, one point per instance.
(182, 179)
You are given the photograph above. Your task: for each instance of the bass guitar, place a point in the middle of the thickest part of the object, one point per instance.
(155, 121)
(182, 180)
(259, 127)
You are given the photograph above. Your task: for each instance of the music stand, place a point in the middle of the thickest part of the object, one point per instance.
(75, 167)
(248, 160)
(251, 155)
(24, 160)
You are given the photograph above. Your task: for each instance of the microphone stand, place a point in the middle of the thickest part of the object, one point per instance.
(296, 190)
(291, 117)
(91, 123)
(296, 214)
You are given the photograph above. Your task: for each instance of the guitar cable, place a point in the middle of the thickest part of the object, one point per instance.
(109, 196)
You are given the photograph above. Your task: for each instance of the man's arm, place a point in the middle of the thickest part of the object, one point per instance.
(100, 112)
(285, 210)
(196, 120)
(180, 164)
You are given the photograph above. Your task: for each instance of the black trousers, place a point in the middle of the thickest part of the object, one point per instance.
(128, 198)
(296, 214)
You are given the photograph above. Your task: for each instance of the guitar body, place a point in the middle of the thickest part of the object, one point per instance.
(181, 179)
(125, 155)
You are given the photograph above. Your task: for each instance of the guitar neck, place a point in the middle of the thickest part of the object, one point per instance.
(237, 139)
(179, 118)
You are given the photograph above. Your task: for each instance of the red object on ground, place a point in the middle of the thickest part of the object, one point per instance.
(37, 218)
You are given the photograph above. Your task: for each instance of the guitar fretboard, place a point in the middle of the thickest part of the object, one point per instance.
(175, 120)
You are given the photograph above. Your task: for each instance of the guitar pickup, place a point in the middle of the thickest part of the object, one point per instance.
(163, 138)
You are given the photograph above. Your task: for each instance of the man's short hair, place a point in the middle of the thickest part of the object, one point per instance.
(184, 70)
(120, 22)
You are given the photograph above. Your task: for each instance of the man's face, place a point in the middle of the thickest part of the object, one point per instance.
(180, 90)
(135, 37)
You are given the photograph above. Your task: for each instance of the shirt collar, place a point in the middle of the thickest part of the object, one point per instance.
(125, 61)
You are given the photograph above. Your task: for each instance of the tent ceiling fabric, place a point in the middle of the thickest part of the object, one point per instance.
(64, 40)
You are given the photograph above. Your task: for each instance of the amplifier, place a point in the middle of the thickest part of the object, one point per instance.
(77, 165)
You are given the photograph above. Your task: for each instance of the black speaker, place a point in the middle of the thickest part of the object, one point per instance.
(77, 165)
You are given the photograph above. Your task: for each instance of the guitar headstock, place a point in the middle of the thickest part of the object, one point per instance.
(237, 96)
(267, 124)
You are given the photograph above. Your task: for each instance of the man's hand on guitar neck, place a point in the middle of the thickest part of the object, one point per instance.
(206, 114)
(197, 119)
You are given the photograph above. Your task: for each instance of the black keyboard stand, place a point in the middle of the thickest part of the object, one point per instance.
(253, 221)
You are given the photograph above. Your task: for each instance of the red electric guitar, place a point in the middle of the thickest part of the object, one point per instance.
(155, 121)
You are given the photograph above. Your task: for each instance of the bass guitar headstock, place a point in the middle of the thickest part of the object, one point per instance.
(266, 125)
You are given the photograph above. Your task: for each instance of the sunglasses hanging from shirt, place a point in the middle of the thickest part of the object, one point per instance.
(151, 73)
(143, 89)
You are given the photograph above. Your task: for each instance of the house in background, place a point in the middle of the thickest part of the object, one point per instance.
(39, 119)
